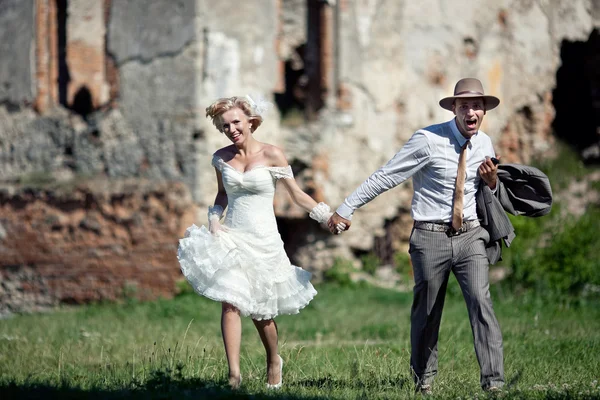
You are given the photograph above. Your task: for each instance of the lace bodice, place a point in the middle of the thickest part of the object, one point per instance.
(250, 195)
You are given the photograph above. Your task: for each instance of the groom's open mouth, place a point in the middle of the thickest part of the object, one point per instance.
(471, 123)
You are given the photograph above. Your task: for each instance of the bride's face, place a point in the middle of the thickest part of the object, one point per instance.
(236, 126)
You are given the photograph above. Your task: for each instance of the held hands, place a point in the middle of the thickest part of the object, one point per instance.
(488, 172)
(339, 227)
(322, 214)
(338, 224)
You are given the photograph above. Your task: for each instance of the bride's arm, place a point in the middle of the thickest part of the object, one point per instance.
(318, 211)
(221, 197)
(277, 159)
(298, 195)
(215, 212)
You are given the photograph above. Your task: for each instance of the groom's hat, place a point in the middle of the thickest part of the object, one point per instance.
(469, 87)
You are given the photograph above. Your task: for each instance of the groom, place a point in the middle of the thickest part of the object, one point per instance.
(447, 162)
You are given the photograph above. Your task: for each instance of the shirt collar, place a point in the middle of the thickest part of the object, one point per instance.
(461, 139)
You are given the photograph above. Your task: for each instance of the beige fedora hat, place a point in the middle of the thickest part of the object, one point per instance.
(469, 87)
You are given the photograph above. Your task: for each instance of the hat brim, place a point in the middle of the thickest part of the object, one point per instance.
(491, 102)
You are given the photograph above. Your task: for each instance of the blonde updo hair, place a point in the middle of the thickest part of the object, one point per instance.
(216, 109)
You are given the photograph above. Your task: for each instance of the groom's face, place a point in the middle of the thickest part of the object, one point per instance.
(469, 115)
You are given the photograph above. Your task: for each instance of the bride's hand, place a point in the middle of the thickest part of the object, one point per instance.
(214, 219)
(214, 226)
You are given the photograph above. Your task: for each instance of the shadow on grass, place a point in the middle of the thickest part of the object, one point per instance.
(162, 386)
(165, 388)
(329, 382)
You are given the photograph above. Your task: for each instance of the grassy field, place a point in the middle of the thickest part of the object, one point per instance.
(350, 343)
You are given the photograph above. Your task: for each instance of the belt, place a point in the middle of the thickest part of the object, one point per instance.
(446, 227)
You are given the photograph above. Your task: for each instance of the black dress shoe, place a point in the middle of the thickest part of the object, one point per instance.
(424, 390)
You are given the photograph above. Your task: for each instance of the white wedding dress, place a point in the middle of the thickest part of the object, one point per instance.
(246, 265)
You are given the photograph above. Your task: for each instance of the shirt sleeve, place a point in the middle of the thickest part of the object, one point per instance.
(412, 157)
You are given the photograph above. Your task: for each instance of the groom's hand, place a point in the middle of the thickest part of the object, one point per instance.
(488, 171)
(335, 221)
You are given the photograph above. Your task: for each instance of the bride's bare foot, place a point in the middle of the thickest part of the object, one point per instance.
(235, 382)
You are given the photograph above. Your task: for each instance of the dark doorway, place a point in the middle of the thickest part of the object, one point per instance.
(576, 97)
(313, 56)
(292, 99)
(304, 72)
(82, 102)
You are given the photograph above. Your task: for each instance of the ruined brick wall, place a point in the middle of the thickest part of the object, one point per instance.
(366, 73)
(46, 55)
(95, 241)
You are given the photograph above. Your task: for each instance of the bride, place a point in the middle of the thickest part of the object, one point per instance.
(241, 262)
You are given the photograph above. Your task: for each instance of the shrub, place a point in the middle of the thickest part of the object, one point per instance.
(340, 272)
(370, 262)
(403, 265)
(566, 264)
(183, 288)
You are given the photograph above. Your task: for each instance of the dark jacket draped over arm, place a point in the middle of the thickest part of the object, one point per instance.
(521, 190)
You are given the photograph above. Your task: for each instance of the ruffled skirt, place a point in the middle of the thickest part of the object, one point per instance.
(249, 272)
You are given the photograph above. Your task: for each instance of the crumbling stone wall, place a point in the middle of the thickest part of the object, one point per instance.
(366, 73)
(398, 58)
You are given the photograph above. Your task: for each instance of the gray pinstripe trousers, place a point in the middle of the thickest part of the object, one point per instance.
(433, 256)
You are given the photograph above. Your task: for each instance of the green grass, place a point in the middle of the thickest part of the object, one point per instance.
(348, 343)
(351, 342)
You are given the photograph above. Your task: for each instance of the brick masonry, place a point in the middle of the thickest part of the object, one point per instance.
(97, 241)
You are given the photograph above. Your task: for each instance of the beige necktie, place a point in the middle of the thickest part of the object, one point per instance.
(459, 189)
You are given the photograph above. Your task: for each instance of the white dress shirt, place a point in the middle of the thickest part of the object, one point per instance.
(431, 157)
